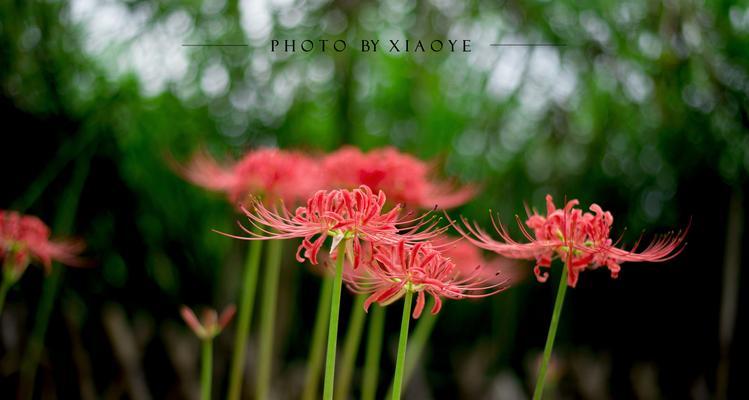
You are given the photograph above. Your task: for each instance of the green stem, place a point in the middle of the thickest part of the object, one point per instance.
(267, 318)
(206, 369)
(244, 320)
(4, 287)
(416, 344)
(63, 225)
(350, 348)
(372, 358)
(50, 287)
(552, 334)
(402, 342)
(335, 305)
(317, 346)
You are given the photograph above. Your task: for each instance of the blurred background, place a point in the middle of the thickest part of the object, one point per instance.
(642, 108)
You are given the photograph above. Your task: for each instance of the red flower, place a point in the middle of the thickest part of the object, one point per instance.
(268, 173)
(211, 325)
(420, 269)
(585, 234)
(24, 238)
(404, 178)
(355, 216)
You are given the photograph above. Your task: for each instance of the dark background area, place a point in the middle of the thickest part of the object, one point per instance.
(643, 110)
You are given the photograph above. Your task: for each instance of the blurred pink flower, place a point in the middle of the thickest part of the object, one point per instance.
(24, 238)
(403, 177)
(211, 324)
(420, 269)
(268, 173)
(586, 234)
(355, 217)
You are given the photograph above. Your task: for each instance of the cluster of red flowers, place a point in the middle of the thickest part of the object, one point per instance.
(581, 239)
(24, 238)
(293, 176)
(397, 254)
(406, 254)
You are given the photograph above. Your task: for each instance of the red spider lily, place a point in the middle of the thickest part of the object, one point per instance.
(24, 238)
(211, 325)
(355, 216)
(420, 269)
(268, 173)
(404, 178)
(585, 234)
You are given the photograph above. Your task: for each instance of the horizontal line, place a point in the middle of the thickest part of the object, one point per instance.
(214, 45)
(526, 45)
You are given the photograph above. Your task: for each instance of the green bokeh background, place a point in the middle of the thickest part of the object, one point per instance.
(642, 108)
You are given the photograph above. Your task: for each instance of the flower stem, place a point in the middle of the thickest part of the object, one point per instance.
(206, 369)
(63, 225)
(350, 348)
(335, 305)
(317, 346)
(551, 335)
(372, 358)
(417, 342)
(402, 341)
(4, 286)
(267, 320)
(246, 305)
